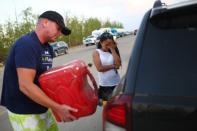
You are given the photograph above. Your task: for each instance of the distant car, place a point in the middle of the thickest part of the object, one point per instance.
(90, 40)
(127, 33)
(135, 32)
(121, 34)
(59, 48)
(159, 89)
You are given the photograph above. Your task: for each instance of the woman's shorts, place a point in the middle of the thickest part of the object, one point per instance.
(33, 122)
(105, 92)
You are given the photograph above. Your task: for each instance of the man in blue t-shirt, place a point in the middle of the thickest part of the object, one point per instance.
(29, 57)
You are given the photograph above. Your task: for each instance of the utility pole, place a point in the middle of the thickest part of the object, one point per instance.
(15, 11)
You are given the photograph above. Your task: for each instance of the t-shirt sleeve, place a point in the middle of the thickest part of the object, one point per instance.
(25, 56)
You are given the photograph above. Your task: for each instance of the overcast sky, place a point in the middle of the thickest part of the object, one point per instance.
(128, 12)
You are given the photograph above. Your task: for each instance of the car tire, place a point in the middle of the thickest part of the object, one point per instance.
(66, 51)
(55, 53)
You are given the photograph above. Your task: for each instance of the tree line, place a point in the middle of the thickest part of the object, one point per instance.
(81, 27)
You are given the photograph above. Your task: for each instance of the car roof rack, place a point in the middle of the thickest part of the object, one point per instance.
(158, 3)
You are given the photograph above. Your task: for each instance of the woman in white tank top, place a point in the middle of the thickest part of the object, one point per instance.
(107, 60)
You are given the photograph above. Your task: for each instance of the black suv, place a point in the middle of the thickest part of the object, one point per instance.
(59, 47)
(159, 90)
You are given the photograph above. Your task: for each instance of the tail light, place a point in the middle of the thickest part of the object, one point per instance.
(118, 112)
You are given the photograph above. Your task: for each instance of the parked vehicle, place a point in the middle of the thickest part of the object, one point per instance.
(90, 40)
(135, 32)
(59, 48)
(112, 31)
(120, 34)
(127, 33)
(159, 89)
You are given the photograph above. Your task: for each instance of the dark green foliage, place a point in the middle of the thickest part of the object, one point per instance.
(3, 52)
(11, 31)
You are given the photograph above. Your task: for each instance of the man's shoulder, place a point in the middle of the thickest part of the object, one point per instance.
(26, 37)
(27, 40)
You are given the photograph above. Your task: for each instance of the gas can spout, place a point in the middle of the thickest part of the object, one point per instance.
(89, 64)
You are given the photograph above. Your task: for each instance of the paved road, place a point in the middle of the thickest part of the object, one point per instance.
(90, 123)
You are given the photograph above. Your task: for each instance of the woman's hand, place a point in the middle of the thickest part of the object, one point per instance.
(111, 46)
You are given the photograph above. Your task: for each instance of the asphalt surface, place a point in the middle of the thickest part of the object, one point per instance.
(93, 122)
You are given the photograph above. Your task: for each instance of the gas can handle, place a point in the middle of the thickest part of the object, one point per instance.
(93, 80)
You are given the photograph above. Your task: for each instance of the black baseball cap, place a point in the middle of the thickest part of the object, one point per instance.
(56, 17)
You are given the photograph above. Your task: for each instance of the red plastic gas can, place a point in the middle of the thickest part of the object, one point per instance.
(69, 84)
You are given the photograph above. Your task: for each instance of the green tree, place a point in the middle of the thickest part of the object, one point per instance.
(28, 21)
(116, 24)
(76, 35)
(113, 24)
(3, 48)
(107, 23)
(11, 31)
(90, 25)
(9, 34)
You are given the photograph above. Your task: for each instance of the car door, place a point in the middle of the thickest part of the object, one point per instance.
(165, 94)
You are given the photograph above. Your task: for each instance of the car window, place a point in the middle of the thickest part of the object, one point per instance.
(90, 37)
(168, 64)
(58, 44)
(61, 44)
(54, 45)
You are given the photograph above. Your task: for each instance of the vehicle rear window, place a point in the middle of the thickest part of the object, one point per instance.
(168, 64)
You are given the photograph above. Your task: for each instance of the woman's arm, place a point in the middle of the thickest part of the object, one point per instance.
(98, 64)
(117, 60)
